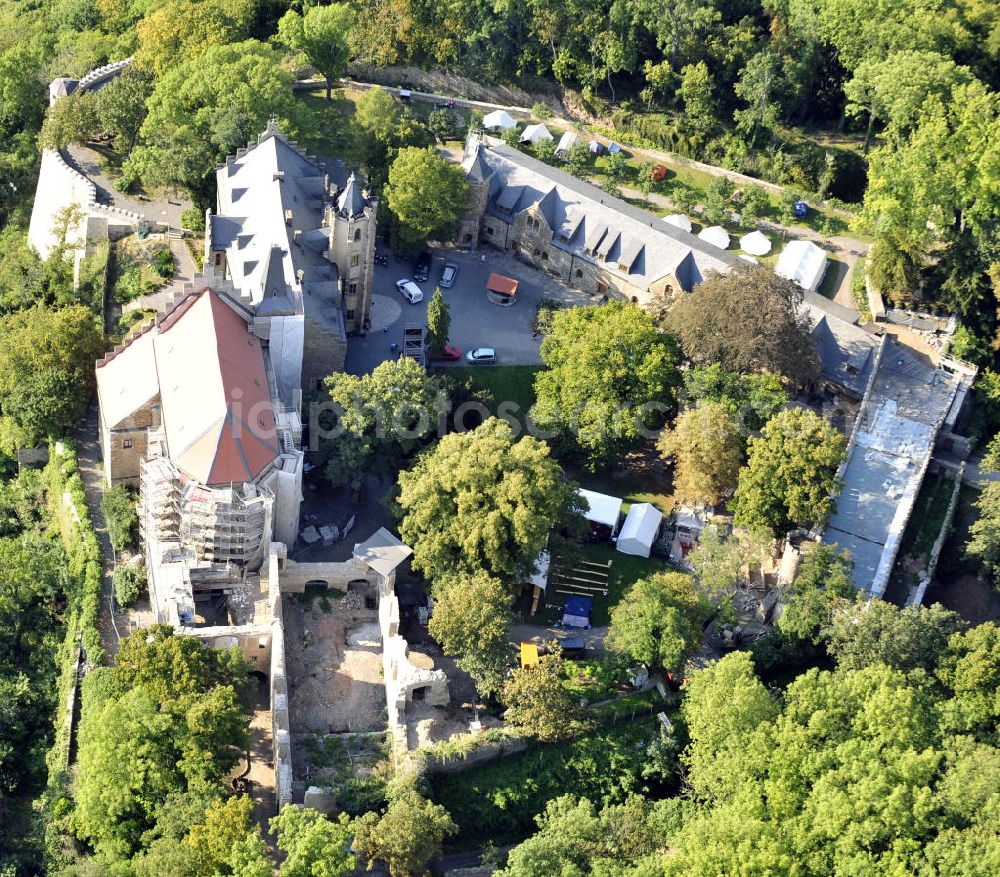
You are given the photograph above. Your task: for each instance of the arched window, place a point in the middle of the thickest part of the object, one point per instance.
(357, 234)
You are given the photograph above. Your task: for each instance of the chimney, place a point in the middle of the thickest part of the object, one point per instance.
(288, 216)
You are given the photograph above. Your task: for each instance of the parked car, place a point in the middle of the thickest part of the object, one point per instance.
(448, 275)
(422, 269)
(481, 356)
(451, 354)
(410, 291)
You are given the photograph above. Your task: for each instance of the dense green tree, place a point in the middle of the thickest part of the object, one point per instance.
(176, 31)
(723, 703)
(757, 87)
(206, 108)
(538, 704)
(697, 91)
(790, 478)
(438, 324)
(47, 368)
(167, 723)
(315, 846)
(482, 502)
(748, 320)
(427, 194)
(752, 398)
(73, 119)
(822, 584)
(659, 620)
(383, 418)
(877, 632)
(707, 448)
(322, 34)
(970, 669)
(223, 842)
(406, 837)
(121, 105)
(984, 532)
(610, 375)
(129, 581)
(472, 621)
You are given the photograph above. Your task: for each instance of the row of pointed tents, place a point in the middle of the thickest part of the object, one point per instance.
(502, 120)
(755, 243)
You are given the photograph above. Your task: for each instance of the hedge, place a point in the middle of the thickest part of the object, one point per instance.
(83, 606)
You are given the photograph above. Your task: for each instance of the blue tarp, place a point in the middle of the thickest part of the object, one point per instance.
(576, 612)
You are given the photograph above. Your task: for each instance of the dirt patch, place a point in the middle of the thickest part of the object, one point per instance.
(335, 677)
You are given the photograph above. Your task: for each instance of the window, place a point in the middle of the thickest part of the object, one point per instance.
(579, 272)
(489, 229)
(350, 313)
(602, 287)
(357, 234)
(545, 256)
(127, 443)
(218, 259)
(352, 289)
(355, 259)
(467, 238)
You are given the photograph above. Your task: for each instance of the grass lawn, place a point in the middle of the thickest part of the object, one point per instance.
(622, 571)
(928, 515)
(506, 383)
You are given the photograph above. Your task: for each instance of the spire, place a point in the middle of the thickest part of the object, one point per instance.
(351, 201)
(272, 128)
(479, 170)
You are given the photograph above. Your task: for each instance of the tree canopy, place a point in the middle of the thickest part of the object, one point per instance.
(610, 374)
(538, 704)
(659, 620)
(382, 419)
(707, 448)
(748, 320)
(406, 837)
(790, 477)
(482, 501)
(322, 34)
(427, 194)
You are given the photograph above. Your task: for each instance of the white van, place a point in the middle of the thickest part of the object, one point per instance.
(410, 291)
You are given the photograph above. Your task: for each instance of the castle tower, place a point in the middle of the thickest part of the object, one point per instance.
(478, 175)
(351, 224)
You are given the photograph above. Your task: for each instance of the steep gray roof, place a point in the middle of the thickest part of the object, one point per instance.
(591, 223)
(351, 201)
(846, 352)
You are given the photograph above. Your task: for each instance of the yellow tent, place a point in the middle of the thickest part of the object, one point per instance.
(529, 654)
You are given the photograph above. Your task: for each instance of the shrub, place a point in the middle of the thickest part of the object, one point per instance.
(129, 580)
(163, 264)
(118, 506)
(541, 110)
(193, 219)
(129, 285)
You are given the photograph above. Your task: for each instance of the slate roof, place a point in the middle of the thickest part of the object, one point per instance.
(267, 193)
(846, 352)
(596, 226)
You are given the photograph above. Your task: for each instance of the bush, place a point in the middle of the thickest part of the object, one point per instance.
(130, 582)
(118, 506)
(163, 264)
(541, 110)
(129, 285)
(193, 219)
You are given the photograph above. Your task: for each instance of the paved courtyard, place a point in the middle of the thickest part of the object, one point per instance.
(475, 321)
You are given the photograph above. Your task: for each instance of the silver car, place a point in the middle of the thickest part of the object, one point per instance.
(448, 275)
(481, 356)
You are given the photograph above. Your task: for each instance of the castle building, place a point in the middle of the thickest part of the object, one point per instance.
(575, 231)
(296, 237)
(189, 411)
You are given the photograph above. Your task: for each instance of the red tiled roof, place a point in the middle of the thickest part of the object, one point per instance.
(503, 285)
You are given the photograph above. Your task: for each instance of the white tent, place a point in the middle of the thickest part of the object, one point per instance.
(679, 220)
(499, 119)
(535, 134)
(567, 142)
(595, 147)
(642, 524)
(803, 262)
(540, 577)
(601, 509)
(715, 235)
(756, 243)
